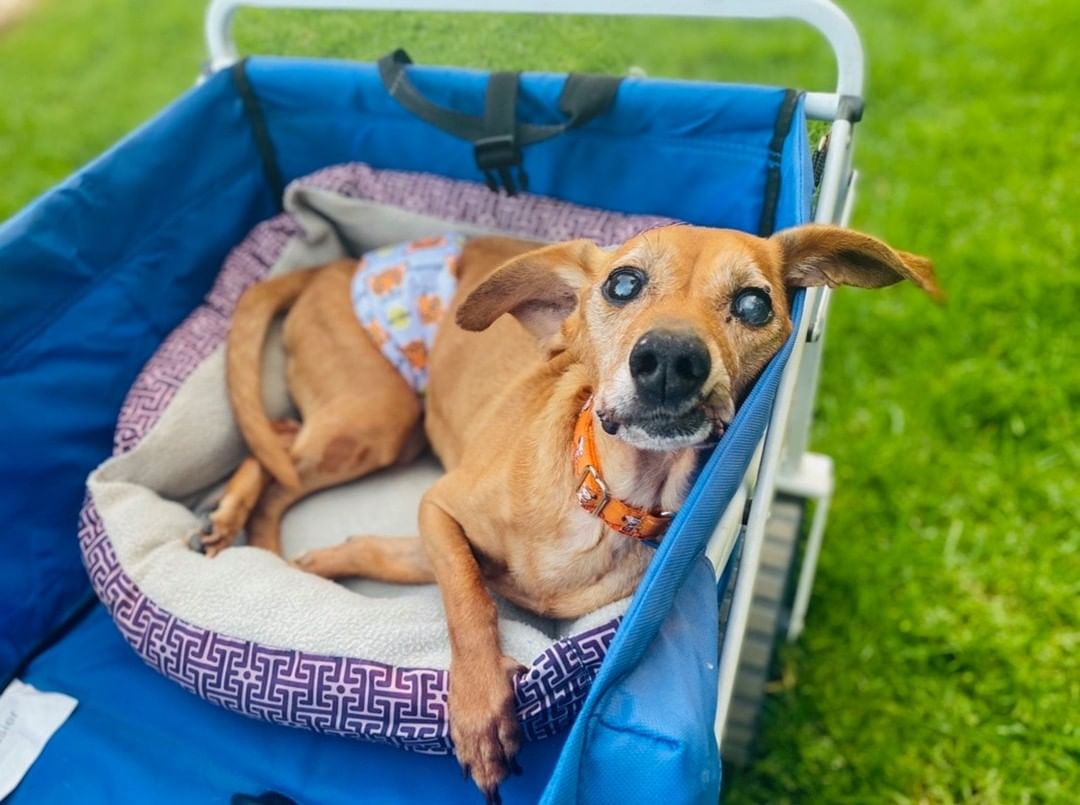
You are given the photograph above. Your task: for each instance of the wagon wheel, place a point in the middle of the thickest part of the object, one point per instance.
(770, 608)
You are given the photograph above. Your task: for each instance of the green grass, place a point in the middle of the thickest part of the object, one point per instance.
(941, 661)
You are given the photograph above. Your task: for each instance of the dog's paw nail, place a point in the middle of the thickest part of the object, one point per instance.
(466, 770)
(493, 797)
(515, 767)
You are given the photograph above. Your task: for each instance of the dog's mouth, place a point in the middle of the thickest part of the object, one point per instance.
(696, 425)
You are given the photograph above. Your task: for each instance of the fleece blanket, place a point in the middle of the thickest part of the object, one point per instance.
(245, 629)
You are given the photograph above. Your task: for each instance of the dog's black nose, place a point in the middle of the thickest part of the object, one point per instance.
(669, 368)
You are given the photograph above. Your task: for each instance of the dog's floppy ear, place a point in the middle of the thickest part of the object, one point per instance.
(539, 288)
(818, 254)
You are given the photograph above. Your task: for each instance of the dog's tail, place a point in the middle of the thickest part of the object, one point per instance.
(254, 312)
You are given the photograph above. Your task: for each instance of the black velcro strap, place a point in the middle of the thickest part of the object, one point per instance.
(784, 115)
(260, 132)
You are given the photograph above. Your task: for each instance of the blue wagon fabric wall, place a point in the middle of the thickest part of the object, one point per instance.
(96, 272)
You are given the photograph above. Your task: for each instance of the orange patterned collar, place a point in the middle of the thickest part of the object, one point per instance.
(592, 493)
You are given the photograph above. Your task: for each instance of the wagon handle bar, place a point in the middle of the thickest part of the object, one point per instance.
(822, 15)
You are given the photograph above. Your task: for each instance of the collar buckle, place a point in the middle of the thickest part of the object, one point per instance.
(586, 496)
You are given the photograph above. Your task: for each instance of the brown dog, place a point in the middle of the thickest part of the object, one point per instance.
(657, 340)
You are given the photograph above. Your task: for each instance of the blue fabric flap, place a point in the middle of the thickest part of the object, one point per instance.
(651, 740)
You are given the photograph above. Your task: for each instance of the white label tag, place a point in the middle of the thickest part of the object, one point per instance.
(28, 719)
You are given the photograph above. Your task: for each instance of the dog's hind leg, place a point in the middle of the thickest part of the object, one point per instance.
(400, 560)
(264, 528)
(243, 491)
(359, 414)
(326, 453)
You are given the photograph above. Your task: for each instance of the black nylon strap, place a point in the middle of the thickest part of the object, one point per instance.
(392, 72)
(583, 98)
(499, 109)
(587, 96)
(260, 132)
(497, 137)
(498, 150)
(784, 115)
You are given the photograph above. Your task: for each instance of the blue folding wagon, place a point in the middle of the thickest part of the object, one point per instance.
(200, 680)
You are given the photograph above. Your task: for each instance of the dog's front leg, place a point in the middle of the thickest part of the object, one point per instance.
(483, 721)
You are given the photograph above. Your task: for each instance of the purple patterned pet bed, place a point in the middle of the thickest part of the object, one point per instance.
(247, 631)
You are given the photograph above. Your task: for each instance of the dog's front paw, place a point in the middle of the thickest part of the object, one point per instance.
(483, 721)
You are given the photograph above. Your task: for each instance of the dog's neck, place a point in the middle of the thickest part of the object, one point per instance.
(651, 479)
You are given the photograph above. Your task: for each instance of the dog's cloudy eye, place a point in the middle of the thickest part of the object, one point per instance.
(752, 306)
(624, 284)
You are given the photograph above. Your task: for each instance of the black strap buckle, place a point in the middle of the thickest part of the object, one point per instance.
(497, 157)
